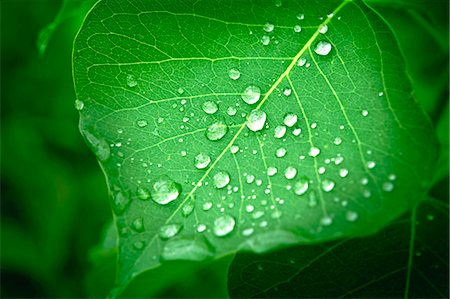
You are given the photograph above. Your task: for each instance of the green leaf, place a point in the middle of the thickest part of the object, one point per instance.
(251, 125)
(401, 261)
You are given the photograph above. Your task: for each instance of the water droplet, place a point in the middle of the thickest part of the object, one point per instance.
(180, 249)
(99, 146)
(290, 172)
(188, 208)
(268, 27)
(265, 40)
(326, 221)
(281, 152)
(221, 179)
(300, 16)
(297, 28)
(365, 113)
(271, 171)
(142, 194)
(79, 105)
(231, 111)
(234, 74)
(388, 186)
(380, 94)
(392, 177)
(180, 90)
(201, 228)
(250, 178)
(256, 120)
(121, 201)
(249, 208)
(301, 62)
(322, 48)
(321, 170)
(131, 81)
(165, 190)
(327, 185)
(301, 186)
(141, 123)
(290, 119)
(297, 132)
(251, 94)
(351, 216)
(207, 206)
(202, 161)
(323, 29)
(138, 245)
(234, 149)
(337, 140)
(170, 230)
(216, 131)
(343, 172)
(248, 231)
(210, 107)
(287, 91)
(371, 164)
(314, 151)
(223, 225)
(138, 224)
(279, 131)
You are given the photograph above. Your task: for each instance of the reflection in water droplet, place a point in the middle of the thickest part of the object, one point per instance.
(301, 186)
(251, 94)
(256, 120)
(79, 105)
(290, 119)
(290, 172)
(224, 225)
(169, 230)
(216, 131)
(322, 48)
(221, 179)
(279, 131)
(165, 190)
(210, 107)
(202, 161)
(234, 74)
(327, 185)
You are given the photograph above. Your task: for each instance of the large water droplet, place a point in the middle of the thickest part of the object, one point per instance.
(223, 225)
(234, 74)
(251, 94)
(327, 185)
(322, 48)
(221, 179)
(256, 120)
(202, 161)
(290, 119)
(131, 81)
(165, 190)
(290, 172)
(170, 230)
(210, 107)
(216, 131)
(301, 186)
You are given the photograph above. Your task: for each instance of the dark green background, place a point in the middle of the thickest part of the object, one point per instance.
(54, 205)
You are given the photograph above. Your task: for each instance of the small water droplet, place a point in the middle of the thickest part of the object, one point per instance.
(337, 140)
(248, 231)
(364, 113)
(300, 16)
(251, 94)
(223, 225)
(99, 146)
(271, 171)
(388, 186)
(256, 120)
(131, 81)
(234, 149)
(231, 111)
(170, 230)
(201, 228)
(343, 172)
(210, 107)
(249, 208)
(287, 91)
(234, 74)
(301, 62)
(301, 186)
(138, 245)
(188, 208)
(279, 131)
(265, 40)
(314, 151)
(202, 161)
(180, 90)
(181, 249)
(142, 194)
(392, 177)
(141, 123)
(321, 170)
(79, 105)
(323, 29)
(121, 201)
(351, 216)
(371, 164)
(221, 179)
(207, 206)
(297, 28)
(380, 94)
(326, 221)
(250, 178)
(290, 119)
(327, 185)
(268, 27)
(165, 190)
(216, 131)
(297, 132)
(290, 172)
(138, 224)
(280, 152)
(322, 48)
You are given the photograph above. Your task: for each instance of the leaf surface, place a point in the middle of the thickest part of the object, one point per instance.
(224, 125)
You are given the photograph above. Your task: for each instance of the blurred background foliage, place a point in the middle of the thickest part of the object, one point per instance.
(56, 233)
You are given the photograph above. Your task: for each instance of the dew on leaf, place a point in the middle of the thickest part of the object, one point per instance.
(290, 172)
(326, 221)
(210, 107)
(170, 230)
(268, 27)
(265, 40)
(327, 185)
(343, 172)
(120, 202)
(297, 132)
(290, 119)
(314, 151)
(364, 113)
(256, 120)
(216, 131)
(142, 194)
(351, 216)
(141, 123)
(99, 146)
(388, 186)
(207, 206)
(279, 131)
(202, 161)
(371, 164)
(323, 29)
(301, 62)
(221, 179)
(234, 149)
(165, 190)
(131, 81)
(138, 245)
(287, 91)
(280, 152)
(251, 94)
(300, 16)
(180, 90)
(337, 141)
(248, 231)
(187, 209)
(234, 74)
(181, 249)
(223, 225)
(231, 111)
(79, 105)
(322, 48)
(249, 208)
(297, 28)
(201, 228)
(271, 171)
(138, 224)
(301, 186)
(250, 178)
(321, 170)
